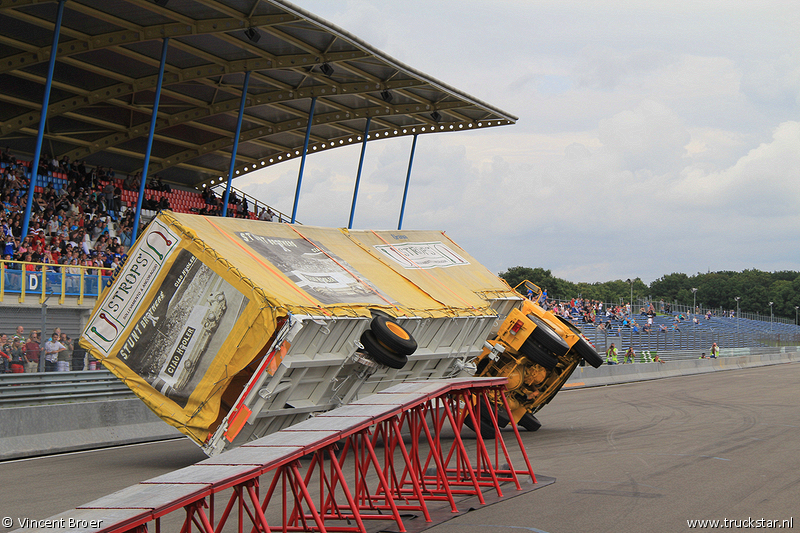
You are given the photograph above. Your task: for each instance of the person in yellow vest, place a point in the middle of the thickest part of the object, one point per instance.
(629, 355)
(714, 351)
(611, 355)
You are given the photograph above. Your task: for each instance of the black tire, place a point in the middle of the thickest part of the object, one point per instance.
(529, 422)
(548, 337)
(487, 427)
(567, 323)
(393, 335)
(481, 366)
(582, 347)
(502, 418)
(588, 353)
(379, 353)
(537, 355)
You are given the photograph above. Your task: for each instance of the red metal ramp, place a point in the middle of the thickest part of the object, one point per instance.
(376, 460)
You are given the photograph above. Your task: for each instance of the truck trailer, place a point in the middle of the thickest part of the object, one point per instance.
(230, 329)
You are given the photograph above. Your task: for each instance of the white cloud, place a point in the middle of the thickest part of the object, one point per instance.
(652, 139)
(648, 137)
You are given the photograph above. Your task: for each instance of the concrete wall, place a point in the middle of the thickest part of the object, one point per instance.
(47, 429)
(614, 374)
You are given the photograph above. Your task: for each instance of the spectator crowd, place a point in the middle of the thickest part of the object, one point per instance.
(21, 353)
(84, 222)
(81, 223)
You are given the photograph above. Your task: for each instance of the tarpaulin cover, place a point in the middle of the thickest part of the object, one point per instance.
(199, 297)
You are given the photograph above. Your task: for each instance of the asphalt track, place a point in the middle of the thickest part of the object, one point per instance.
(640, 457)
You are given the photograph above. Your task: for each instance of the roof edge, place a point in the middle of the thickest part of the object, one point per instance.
(347, 36)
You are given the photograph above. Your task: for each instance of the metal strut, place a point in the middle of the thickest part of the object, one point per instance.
(338, 471)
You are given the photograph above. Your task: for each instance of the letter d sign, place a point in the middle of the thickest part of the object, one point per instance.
(33, 282)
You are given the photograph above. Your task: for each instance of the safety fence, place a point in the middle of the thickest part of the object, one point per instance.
(42, 388)
(23, 390)
(378, 459)
(27, 279)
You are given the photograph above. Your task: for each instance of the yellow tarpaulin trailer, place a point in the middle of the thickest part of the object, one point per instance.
(230, 329)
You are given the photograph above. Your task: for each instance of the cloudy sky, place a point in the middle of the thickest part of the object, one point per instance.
(652, 137)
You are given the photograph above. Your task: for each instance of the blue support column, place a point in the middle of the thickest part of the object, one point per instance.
(408, 178)
(235, 143)
(303, 160)
(358, 176)
(37, 153)
(153, 119)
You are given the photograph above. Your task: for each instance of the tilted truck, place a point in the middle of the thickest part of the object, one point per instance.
(231, 329)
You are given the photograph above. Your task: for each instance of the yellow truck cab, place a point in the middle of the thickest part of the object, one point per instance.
(537, 351)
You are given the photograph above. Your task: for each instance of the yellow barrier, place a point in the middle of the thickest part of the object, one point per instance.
(17, 278)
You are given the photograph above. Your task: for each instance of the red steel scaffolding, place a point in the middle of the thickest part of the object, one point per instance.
(379, 458)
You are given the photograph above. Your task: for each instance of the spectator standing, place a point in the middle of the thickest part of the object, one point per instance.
(5, 348)
(20, 334)
(78, 358)
(108, 194)
(32, 350)
(714, 351)
(65, 357)
(51, 350)
(5, 358)
(17, 356)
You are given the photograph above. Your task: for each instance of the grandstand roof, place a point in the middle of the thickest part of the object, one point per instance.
(106, 72)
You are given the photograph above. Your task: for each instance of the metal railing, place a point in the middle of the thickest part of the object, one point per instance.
(676, 308)
(25, 390)
(42, 388)
(252, 201)
(47, 279)
(688, 338)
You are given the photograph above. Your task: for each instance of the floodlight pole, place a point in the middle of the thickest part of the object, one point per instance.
(42, 120)
(358, 175)
(303, 159)
(408, 178)
(770, 317)
(737, 315)
(153, 119)
(631, 297)
(235, 143)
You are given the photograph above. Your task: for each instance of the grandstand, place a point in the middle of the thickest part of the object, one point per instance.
(683, 335)
(315, 88)
(181, 200)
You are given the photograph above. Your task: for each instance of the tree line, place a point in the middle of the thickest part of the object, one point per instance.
(714, 289)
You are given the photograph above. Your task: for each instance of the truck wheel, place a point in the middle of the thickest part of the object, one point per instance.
(487, 427)
(502, 418)
(582, 347)
(547, 337)
(481, 366)
(537, 355)
(589, 354)
(380, 353)
(393, 335)
(529, 422)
